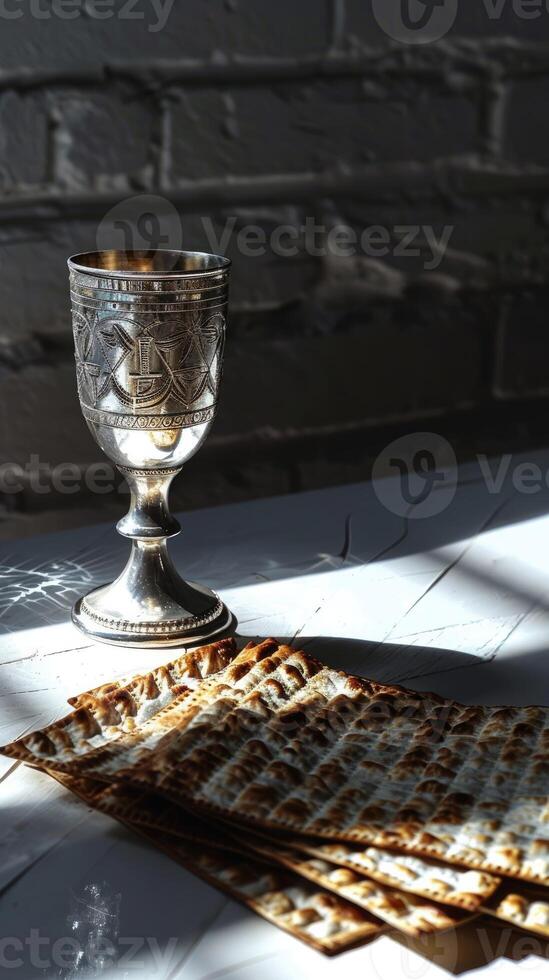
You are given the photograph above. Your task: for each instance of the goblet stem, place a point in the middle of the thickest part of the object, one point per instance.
(149, 603)
(149, 514)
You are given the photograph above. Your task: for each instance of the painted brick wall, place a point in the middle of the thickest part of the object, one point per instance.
(264, 114)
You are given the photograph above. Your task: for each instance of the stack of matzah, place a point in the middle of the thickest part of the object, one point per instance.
(333, 806)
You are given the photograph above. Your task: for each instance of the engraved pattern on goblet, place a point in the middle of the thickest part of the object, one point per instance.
(154, 370)
(149, 332)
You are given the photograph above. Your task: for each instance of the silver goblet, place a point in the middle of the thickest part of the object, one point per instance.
(149, 331)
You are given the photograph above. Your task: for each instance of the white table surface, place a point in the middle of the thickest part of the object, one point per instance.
(457, 603)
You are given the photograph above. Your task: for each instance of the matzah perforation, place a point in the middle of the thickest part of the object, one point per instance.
(230, 722)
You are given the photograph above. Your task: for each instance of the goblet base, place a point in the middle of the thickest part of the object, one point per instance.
(95, 616)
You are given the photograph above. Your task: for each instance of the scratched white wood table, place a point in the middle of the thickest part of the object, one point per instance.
(457, 603)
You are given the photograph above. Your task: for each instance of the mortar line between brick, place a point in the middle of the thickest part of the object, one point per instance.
(475, 180)
(521, 59)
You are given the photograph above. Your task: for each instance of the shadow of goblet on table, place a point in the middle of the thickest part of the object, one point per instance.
(388, 663)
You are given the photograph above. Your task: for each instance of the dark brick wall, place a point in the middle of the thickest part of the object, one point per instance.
(272, 114)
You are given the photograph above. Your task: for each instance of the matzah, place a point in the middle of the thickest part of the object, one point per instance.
(430, 879)
(287, 744)
(278, 741)
(311, 914)
(407, 913)
(142, 696)
(144, 811)
(112, 720)
(528, 910)
(113, 725)
(346, 873)
(413, 916)
(466, 890)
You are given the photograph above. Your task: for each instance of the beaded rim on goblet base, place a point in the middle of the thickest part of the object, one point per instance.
(180, 632)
